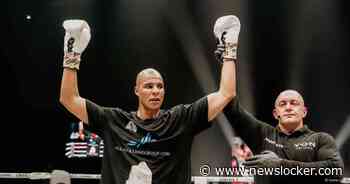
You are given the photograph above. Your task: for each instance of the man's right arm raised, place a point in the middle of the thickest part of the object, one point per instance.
(76, 39)
(70, 97)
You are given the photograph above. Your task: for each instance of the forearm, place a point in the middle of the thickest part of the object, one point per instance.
(318, 165)
(327, 156)
(76, 39)
(228, 80)
(218, 100)
(69, 86)
(70, 97)
(248, 127)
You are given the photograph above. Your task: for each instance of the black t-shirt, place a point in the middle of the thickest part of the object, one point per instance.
(164, 143)
(303, 148)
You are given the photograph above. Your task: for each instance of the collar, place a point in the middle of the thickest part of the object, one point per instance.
(138, 119)
(134, 113)
(300, 131)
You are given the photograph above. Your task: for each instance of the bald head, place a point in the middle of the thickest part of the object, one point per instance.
(289, 93)
(290, 111)
(150, 91)
(147, 73)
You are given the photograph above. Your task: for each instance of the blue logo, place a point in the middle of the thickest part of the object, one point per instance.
(147, 139)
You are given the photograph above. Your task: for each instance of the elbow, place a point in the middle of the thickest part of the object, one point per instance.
(65, 100)
(68, 100)
(62, 97)
(338, 163)
(229, 95)
(228, 92)
(67, 96)
(234, 94)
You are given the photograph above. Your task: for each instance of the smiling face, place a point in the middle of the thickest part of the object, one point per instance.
(150, 90)
(290, 109)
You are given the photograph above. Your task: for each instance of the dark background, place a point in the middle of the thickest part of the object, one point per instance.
(283, 44)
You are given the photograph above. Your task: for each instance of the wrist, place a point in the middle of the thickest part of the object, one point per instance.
(230, 52)
(72, 61)
(228, 60)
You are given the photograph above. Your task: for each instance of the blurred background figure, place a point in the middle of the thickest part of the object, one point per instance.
(239, 152)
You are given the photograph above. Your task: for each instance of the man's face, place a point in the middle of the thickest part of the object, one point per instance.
(150, 91)
(289, 108)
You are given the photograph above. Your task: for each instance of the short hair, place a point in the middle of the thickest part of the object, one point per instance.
(147, 72)
(290, 91)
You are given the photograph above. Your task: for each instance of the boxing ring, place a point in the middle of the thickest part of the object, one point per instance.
(63, 177)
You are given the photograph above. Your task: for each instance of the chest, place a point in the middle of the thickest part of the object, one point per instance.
(136, 141)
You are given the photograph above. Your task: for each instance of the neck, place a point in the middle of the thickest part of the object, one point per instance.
(290, 128)
(143, 114)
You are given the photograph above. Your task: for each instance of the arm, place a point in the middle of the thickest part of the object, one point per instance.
(248, 127)
(334, 162)
(226, 30)
(218, 100)
(76, 40)
(70, 97)
(327, 155)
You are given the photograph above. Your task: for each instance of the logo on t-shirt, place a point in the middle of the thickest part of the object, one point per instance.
(305, 146)
(147, 139)
(131, 126)
(137, 146)
(273, 142)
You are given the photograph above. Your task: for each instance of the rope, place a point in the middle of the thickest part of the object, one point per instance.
(47, 175)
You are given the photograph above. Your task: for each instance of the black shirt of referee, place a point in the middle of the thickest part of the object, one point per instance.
(295, 144)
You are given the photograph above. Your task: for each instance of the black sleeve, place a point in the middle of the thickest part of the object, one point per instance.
(194, 117)
(250, 129)
(327, 156)
(100, 117)
(96, 116)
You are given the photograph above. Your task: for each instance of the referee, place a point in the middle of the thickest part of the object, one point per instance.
(293, 151)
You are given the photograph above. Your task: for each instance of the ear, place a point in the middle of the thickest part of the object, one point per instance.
(305, 112)
(274, 113)
(136, 91)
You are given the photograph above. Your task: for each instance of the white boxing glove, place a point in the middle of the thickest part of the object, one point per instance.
(76, 40)
(226, 30)
(140, 174)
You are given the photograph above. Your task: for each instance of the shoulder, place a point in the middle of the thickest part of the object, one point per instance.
(323, 135)
(202, 102)
(109, 111)
(177, 110)
(324, 138)
(116, 111)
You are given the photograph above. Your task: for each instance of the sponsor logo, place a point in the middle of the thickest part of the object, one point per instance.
(131, 126)
(147, 139)
(135, 146)
(273, 142)
(305, 146)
